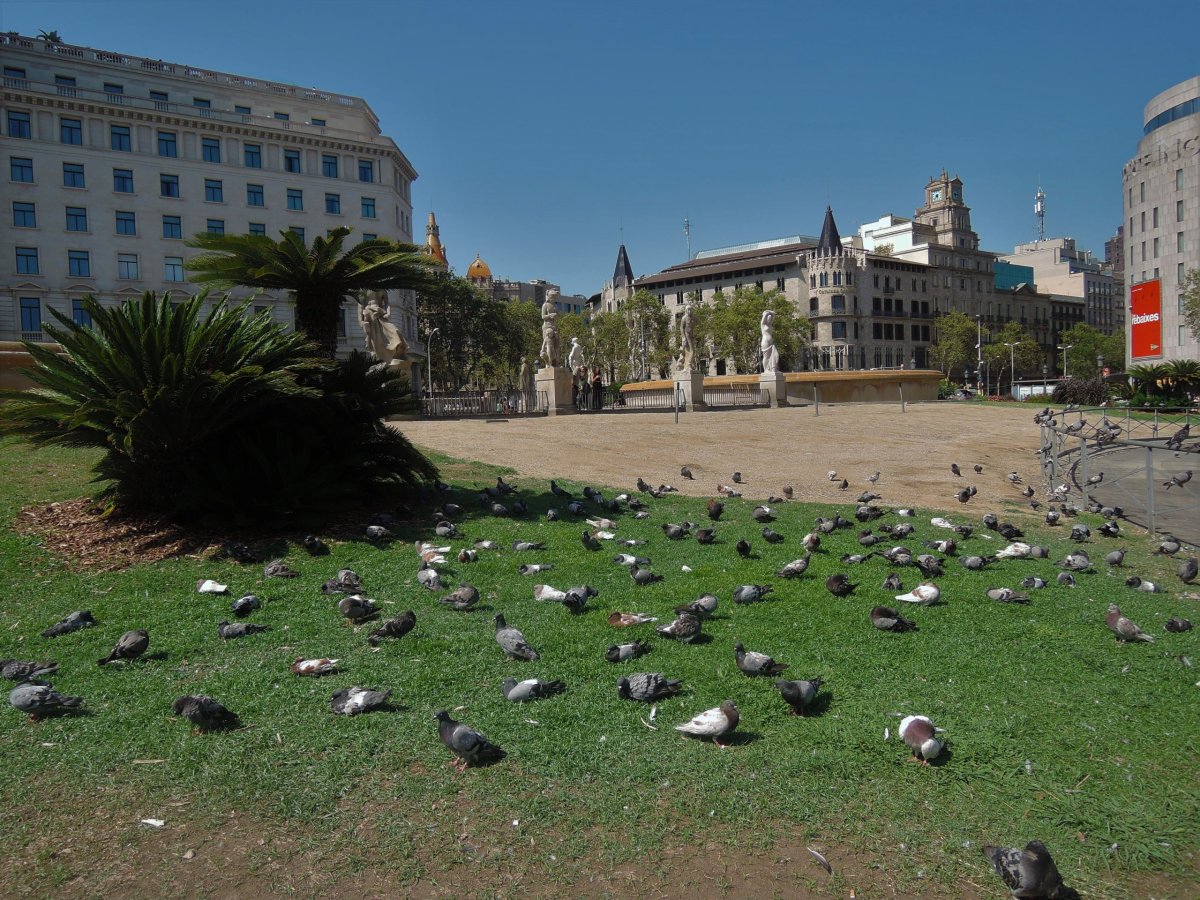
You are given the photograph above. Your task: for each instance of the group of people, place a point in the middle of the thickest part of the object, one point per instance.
(587, 392)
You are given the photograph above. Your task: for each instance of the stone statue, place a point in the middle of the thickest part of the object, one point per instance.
(575, 356)
(549, 352)
(770, 353)
(525, 379)
(383, 339)
(687, 338)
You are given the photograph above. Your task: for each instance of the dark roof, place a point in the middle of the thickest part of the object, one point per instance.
(623, 274)
(734, 262)
(831, 242)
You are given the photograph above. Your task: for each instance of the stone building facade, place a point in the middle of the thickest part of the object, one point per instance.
(1065, 271)
(113, 160)
(1161, 200)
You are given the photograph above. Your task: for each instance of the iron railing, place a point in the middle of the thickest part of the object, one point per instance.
(489, 403)
(736, 395)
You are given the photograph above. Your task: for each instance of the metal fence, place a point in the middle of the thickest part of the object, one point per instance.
(1128, 458)
(462, 404)
(736, 395)
(611, 399)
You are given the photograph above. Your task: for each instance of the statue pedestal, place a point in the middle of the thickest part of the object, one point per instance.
(775, 385)
(553, 386)
(691, 383)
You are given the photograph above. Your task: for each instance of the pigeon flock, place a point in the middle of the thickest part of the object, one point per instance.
(1028, 873)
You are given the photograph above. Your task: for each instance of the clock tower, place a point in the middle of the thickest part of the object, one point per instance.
(946, 213)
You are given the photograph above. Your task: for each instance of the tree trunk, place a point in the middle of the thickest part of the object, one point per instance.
(317, 318)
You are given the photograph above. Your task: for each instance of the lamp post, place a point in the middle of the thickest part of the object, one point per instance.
(1064, 348)
(1012, 364)
(429, 365)
(1045, 379)
(1100, 364)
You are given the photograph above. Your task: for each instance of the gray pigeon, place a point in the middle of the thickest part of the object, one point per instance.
(70, 622)
(1007, 595)
(1187, 570)
(887, 619)
(1168, 546)
(685, 628)
(589, 541)
(626, 652)
(243, 606)
(794, 569)
(396, 627)
(647, 687)
(753, 663)
(25, 669)
(799, 695)
(702, 607)
(1029, 874)
(1032, 581)
(357, 608)
(463, 598)
(771, 536)
(205, 713)
(232, 630)
(469, 746)
(974, 563)
(130, 646)
(315, 546)
(522, 546)
(1176, 625)
(1075, 561)
(1115, 558)
(643, 577)
(530, 689)
(750, 593)
(1178, 480)
(38, 700)
(1066, 579)
(892, 582)
(512, 642)
(354, 700)
(1124, 629)
(277, 568)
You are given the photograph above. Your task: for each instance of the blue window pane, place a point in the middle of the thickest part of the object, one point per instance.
(172, 227)
(80, 315)
(258, 228)
(120, 138)
(73, 175)
(295, 198)
(216, 226)
(253, 156)
(123, 181)
(126, 222)
(169, 185)
(27, 261)
(24, 215)
(76, 218)
(297, 230)
(31, 314)
(329, 165)
(214, 191)
(291, 160)
(333, 203)
(127, 265)
(368, 207)
(254, 195)
(167, 144)
(212, 149)
(366, 170)
(20, 169)
(78, 264)
(18, 125)
(70, 131)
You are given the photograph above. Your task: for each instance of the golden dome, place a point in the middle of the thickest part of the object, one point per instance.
(479, 269)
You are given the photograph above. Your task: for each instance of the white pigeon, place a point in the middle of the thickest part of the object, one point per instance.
(546, 592)
(925, 594)
(907, 512)
(605, 535)
(941, 523)
(424, 547)
(832, 475)
(715, 723)
(918, 733)
(606, 524)
(1016, 550)
(208, 586)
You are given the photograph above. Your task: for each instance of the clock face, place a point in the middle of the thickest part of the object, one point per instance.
(937, 195)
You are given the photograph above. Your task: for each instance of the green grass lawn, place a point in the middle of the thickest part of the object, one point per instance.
(1053, 729)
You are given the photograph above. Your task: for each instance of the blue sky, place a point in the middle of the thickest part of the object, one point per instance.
(546, 133)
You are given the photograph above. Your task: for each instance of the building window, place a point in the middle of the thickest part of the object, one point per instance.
(172, 227)
(173, 268)
(126, 222)
(366, 170)
(113, 90)
(119, 138)
(1179, 241)
(160, 99)
(127, 266)
(73, 175)
(333, 204)
(1178, 210)
(242, 110)
(258, 228)
(838, 303)
(1142, 192)
(78, 264)
(27, 261)
(252, 155)
(374, 237)
(1154, 217)
(214, 191)
(80, 315)
(329, 165)
(76, 218)
(18, 125)
(298, 231)
(24, 215)
(123, 181)
(70, 131)
(812, 304)
(216, 226)
(20, 169)
(1156, 248)
(254, 195)
(320, 123)
(291, 161)
(368, 207)
(211, 149)
(295, 199)
(14, 72)
(201, 103)
(168, 185)
(31, 314)
(839, 331)
(167, 144)
(283, 117)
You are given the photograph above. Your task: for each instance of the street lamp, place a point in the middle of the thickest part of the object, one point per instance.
(429, 365)
(978, 351)
(1100, 363)
(1045, 379)
(1012, 363)
(1064, 348)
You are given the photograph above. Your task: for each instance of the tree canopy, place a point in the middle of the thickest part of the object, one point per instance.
(957, 335)
(319, 277)
(1025, 354)
(731, 327)
(1088, 343)
(1190, 301)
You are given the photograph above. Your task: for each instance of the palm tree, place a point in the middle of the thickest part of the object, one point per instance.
(1184, 376)
(319, 277)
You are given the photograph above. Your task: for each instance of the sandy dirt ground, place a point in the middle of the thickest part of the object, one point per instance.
(912, 450)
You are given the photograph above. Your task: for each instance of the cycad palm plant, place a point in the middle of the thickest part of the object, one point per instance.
(159, 386)
(1184, 377)
(319, 277)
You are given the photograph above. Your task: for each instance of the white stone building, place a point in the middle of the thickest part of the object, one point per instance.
(1161, 199)
(113, 160)
(1064, 271)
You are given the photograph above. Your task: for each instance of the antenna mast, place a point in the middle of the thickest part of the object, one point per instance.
(1039, 210)
(687, 233)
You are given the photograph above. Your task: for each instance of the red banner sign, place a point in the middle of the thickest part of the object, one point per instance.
(1145, 320)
